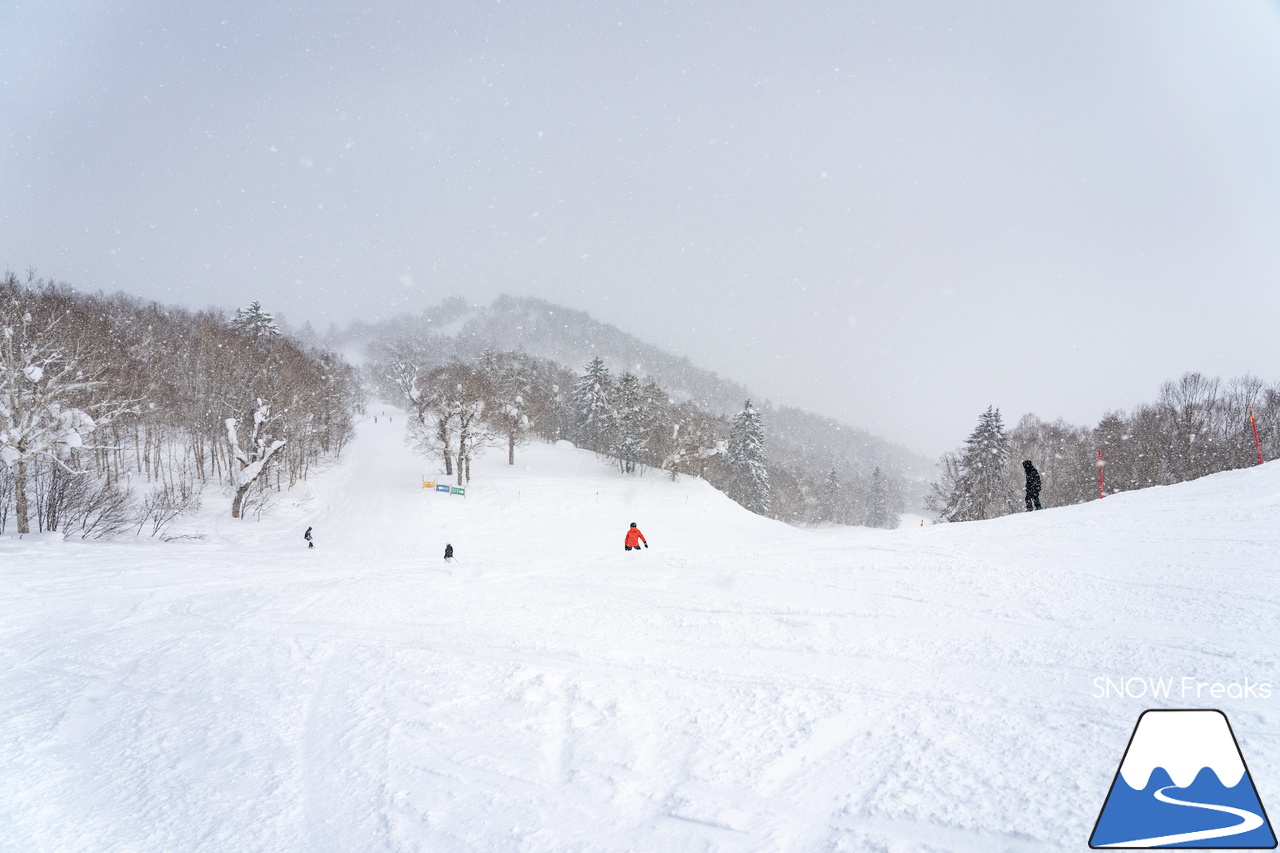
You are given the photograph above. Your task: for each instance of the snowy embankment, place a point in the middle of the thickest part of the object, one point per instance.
(740, 685)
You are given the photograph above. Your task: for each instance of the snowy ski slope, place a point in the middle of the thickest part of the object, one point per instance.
(739, 686)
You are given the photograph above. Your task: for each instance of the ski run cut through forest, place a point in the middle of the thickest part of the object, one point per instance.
(740, 685)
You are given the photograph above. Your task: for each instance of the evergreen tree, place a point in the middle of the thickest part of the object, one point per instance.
(630, 427)
(831, 497)
(591, 404)
(880, 511)
(746, 454)
(976, 484)
(657, 423)
(255, 321)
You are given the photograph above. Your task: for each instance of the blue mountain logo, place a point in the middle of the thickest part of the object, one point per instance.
(1183, 783)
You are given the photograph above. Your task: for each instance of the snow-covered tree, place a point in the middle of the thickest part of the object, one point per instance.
(880, 509)
(629, 434)
(255, 321)
(430, 430)
(182, 374)
(468, 391)
(252, 457)
(447, 407)
(591, 403)
(559, 408)
(656, 404)
(695, 439)
(510, 380)
(976, 483)
(831, 497)
(424, 395)
(50, 402)
(745, 455)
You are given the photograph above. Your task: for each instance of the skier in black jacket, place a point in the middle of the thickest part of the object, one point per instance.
(1033, 485)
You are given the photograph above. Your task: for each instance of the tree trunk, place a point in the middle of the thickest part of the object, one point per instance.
(238, 501)
(511, 448)
(463, 451)
(20, 496)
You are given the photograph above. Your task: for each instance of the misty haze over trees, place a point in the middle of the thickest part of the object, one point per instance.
(661, 412)
(502, 398)
(115, 413)
(1198, 425)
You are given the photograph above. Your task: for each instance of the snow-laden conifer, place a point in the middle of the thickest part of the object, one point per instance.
(592, 403)
(880, 510)
(831, 497)
(976, 484)
(255, 321)
(745, 455)
(629, 433)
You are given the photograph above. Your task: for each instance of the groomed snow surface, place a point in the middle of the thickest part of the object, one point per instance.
(740, 685)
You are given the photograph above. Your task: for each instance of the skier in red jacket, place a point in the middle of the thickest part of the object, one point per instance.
(634, 538)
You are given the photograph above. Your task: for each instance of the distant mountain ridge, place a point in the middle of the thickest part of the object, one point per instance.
(456, 329)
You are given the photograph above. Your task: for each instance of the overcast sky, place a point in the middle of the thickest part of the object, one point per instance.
(892, 213)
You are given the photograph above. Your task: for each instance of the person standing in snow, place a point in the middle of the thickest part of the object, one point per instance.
(1033, 485)
(634, 538)
(448, 553)
(307, 536)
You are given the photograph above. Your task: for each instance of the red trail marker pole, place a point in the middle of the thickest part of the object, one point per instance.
(1101, 493)
(1256, 443)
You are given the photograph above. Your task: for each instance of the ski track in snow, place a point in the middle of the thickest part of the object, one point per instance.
(739, 686)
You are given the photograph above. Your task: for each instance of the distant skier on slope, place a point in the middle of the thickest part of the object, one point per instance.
(634, 538)
(1033, 485)
(448, 553)
(307, 536)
